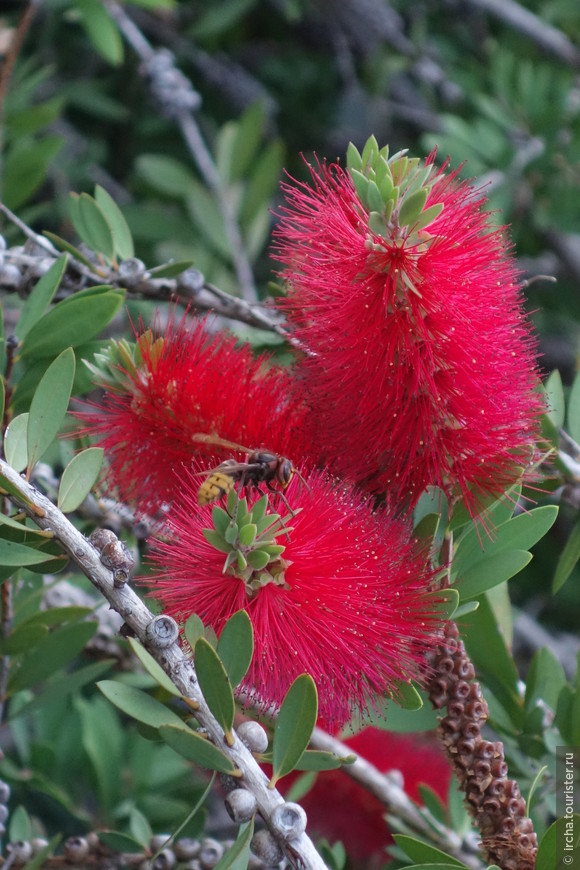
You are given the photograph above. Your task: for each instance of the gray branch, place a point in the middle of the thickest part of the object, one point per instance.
(176, 665)
(179, 100)
(547, 37)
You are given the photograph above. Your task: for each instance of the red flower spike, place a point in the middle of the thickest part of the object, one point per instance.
(346, 600)
(422, 365)
(179, 384)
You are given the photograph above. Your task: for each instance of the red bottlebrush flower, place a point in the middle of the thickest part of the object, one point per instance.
(175, 386)
(422, 368)
(342, 595)
(340, 808)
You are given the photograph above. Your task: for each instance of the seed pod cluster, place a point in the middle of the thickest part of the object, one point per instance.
(495, 802)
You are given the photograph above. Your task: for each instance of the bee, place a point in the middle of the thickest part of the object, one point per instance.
(260, 467)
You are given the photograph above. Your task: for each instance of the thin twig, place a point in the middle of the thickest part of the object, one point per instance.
(176, 665)
(545, 35)
(178, 99)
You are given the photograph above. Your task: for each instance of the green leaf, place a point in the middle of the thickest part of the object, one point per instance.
(20, 827)
(215, 684)
(120, 842)
(138, 704)
(78, 478)
(25, 168)
(433, 803)
(58, 648)
(23, 638)
(140, 828)
(417, 850)
(238, 855)
(15, 443)
(41, 297)
(196, 748)
(555, 397)
(490, 572)
(489, 653)
(19, 555)
(165, 174)
(552, 844)
(193, 630)
(258, 559)
(412, 206)
(49, 405)
(534, 786)
(91, 224)
(568, 559)
(65, 684)
(438, 866)
(101, 30)
(236, 646)
(545, 680)
(153, 669)
(318, 759)
(407, 696)
(574, 410)
(294, 726)
(72, 322)
(171, 270)
(63, 245)
(122, 238)
(517, 533)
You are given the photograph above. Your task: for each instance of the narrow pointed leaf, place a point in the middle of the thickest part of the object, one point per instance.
(122, 238)
(40, 298)
(171, 270)
(568, 559)
(15, 449)
(49, 405)
(294, 726)
(63, 245)
(193, 630)
(417, 850)
(236, 646)
(490, 572)
(79, 477)
(238, 855)
(120, 842)
(215, 684)
(196, 748)
(19, 555)
(153, 669)
(72, 322)
(54, 651)
(138, 704)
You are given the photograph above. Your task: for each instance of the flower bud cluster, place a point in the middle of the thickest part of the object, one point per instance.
(493, 799)
(248, 537)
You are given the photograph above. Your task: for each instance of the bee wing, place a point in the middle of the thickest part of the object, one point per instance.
(226, 467)
(216, 441)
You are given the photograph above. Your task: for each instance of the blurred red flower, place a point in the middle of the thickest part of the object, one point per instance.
(346, 601)
(339, 808)
(179, 383)
(422, 362)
